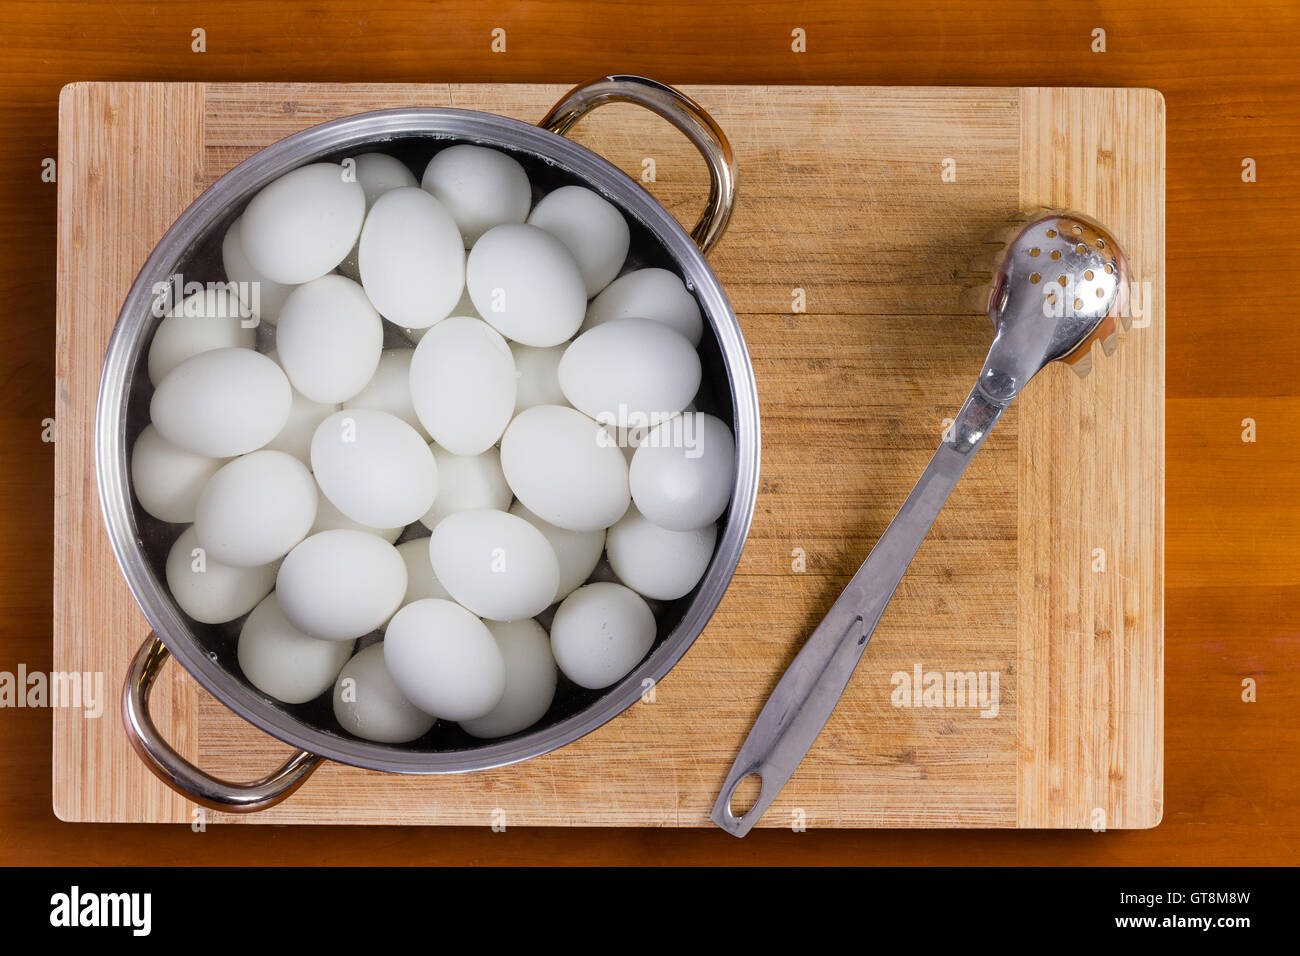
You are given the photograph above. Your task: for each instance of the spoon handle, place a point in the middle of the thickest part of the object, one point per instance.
(813, 684)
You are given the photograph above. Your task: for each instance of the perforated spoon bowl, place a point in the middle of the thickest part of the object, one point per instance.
(1057, 289)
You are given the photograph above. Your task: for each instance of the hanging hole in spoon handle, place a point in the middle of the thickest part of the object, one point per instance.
(684, 114)
(739, 806)
(181, 775)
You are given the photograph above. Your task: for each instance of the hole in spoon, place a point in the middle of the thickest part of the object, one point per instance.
(1056, 253)
(744, 794)
(1034, 278)
(1088, 275)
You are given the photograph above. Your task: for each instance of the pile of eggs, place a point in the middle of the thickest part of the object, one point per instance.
(436, 441)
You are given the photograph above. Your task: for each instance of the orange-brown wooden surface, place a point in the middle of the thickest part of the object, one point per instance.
(1230, 78)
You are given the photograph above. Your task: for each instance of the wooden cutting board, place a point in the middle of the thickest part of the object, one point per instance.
(871, 205)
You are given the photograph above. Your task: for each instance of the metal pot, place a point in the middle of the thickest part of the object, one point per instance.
(191, 248)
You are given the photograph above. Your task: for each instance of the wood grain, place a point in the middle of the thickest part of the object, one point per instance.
(153, 141)
(1091, 560)
(1230, 76)
(854, 393)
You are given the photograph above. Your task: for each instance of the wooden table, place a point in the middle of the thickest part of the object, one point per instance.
(1231, 783)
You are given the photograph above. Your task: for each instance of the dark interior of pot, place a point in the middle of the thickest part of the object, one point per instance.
(203, 263)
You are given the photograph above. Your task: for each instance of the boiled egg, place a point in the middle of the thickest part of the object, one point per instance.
(300, 226)
(681, 473)
(374, 467)
(222, 403)
(444, 660)
(329, 339)
(256, 508)
(600, 633)
(411, 258)
(481, 187)
(495, 564)
(527, 284)
(565, 468)
(463, 385)
(340, 585)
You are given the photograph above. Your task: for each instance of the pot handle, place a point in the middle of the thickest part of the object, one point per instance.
(177, 772)
(682, 112)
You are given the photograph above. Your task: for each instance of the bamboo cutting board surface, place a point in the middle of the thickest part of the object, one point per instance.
(1045, 571)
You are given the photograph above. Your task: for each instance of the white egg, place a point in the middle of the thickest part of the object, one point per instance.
(681, 474)
(444, 660)
(305, 417)
(527, 284)
(496, 564)
(258, 293)
(300, 226)
(578, 552)
(329, 339)
(593, 229)
(283, 662)
(482, 187)
(255, 509)
(209, 591)
(411, 258)
(629, 372)
(565, 468)
(658, 563)
(649, 294)
(329, 518)
(340, 585)
(463, 385)
(531, 677)
(369, 705)
(207, 320)
(600, 633)
(421, 582)
(377, 173)
(374, 467)
(537, 376)
(222, 403)
(467, 483)
(167, 480)
(390, 389)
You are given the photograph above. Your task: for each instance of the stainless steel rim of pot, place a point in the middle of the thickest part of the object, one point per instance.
(125, 353)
